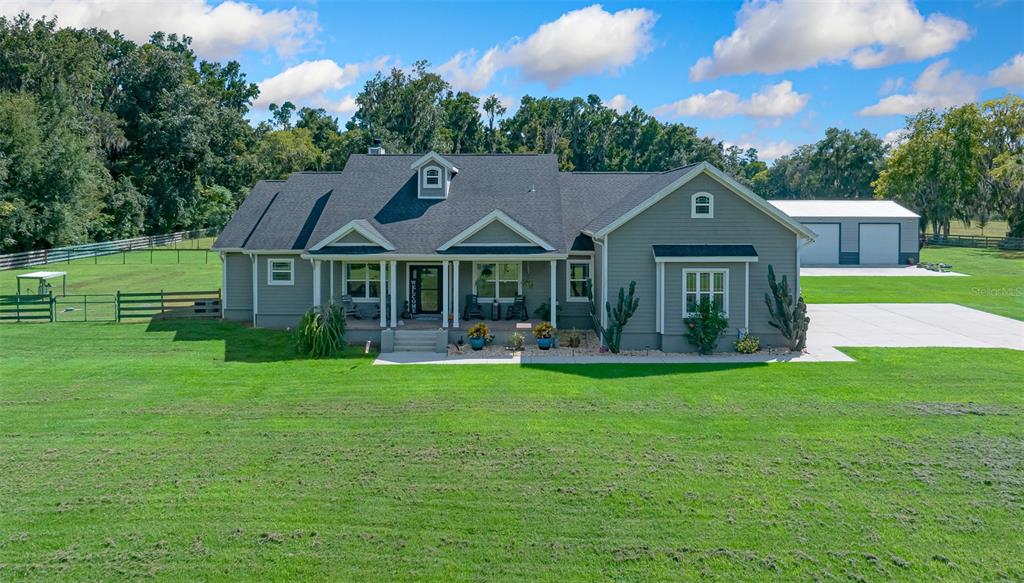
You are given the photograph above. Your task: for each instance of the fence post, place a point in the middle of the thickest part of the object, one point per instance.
(17, 308)
(53, 309)
(161, 302)
(117, 306)
(179, 256)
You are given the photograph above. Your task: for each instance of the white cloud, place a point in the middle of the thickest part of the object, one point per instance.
(344, 107)
(891, 138)
(777, 100)
(311, 81)
(782, 35)
(767, 151)
(619, 103)
(588, 41)
(891, 85)
(934, 88)
(1010, 74)
(218, 30)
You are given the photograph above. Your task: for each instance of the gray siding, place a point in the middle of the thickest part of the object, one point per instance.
(495, 232)
(280, 306)
(736, 221)
(354, 238)
(238, 288)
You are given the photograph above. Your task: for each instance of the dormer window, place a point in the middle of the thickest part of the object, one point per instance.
(702, 206)
(432, 177)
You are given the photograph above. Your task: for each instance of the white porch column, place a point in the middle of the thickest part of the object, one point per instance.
(746, 296)
(330, 266)
(223, 283)
(394, 293)
(255, 287)
(661, 299)
(383, 295)
(554, 293)
(605, 246)
(445, 294)
(316, 282)
(455, 292)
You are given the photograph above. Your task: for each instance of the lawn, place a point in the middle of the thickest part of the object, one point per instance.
(996, 284)
(203, 451)
(997, 228)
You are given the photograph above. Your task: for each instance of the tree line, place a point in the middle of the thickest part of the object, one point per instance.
(104, 138)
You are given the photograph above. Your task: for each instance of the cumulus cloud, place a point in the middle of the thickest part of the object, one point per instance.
(619, 103)
(935, 87)
(588, 41)
(766, 150)
(312, 80)
(783, 35)
(777, 100)
(893, 137)
(1010, 74)
(218, 31)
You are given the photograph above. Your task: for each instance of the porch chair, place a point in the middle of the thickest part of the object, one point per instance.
(473, 308)
(517, 309)
(349, 306)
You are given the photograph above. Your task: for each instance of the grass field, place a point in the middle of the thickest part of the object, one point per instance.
(992, 229)
(996, 284)
(200, 450)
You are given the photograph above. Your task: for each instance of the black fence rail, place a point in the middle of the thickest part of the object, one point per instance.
(85, 308)
(23, 308)
(1007, 243)
(95, 250)
(164, 304)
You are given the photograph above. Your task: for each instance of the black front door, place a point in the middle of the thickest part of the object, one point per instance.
(425, 289)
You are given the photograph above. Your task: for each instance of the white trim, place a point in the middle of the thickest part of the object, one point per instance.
(693, 206)
(255, 287)
(434, 258)
(726, 181)
(223, 283)
(605, 244)
(482, 298)
(568, 278)
(455, 293)
(425, 172)
(393, 291)
(360, 226)
(496, 215)
(725, 287)
(270, 271)
(661, 298)
(330, 266)
(317, 283)
(436, 158)
(366, 298)
(751, 259)
(383, 286)
(445, 294)
(553, 268)
(746, 297)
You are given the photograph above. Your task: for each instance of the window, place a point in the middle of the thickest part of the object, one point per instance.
(578, 279)
(362, 280)
(703, 206)
(499, 281)
(705, 284)
(432, 178)
(280, 271)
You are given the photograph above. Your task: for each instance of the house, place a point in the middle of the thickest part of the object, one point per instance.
(402, 240)
(856, 232)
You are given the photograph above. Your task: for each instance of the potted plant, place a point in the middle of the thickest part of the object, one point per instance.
(544, 333)
(478, 335)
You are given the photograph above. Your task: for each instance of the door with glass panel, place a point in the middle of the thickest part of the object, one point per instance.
(425, 289)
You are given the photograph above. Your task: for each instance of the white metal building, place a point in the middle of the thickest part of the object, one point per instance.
(856, 232)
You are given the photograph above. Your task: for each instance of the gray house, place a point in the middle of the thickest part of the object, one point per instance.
(405, 242)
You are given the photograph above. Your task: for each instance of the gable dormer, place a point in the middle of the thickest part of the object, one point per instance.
(433, 176)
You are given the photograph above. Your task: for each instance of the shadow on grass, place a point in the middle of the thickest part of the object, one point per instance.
(628, 370)
(241, 343)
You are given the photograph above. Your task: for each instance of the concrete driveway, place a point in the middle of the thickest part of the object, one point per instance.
(908, 325)
(868, 271)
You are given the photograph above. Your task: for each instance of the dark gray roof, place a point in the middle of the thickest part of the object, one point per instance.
(704, 251)
(351, 250)
(308, 207)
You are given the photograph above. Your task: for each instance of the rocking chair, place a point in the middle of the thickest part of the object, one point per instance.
(517, 309)
(473, 308)
(349, 306)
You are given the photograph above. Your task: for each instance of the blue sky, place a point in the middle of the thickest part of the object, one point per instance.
(781, 73)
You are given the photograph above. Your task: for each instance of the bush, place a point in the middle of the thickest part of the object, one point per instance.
(543, 330)
(573, 338)
(320, 333)
(479, 330)
(747, 344)
(516, 341)
(704, 328)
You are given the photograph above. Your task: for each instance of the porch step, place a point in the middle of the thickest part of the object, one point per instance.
(416, 340)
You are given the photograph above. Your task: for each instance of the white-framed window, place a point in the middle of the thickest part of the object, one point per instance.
(700, 284)
(501, 281)
(431, 177)
(280, 271)
(362, 281)
(579, 274)
(702, 206)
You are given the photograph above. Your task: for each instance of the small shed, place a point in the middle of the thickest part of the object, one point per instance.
(856, 232)
(43, 278)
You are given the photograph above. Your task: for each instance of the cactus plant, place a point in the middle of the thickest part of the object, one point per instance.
(618, 316)
(788, 317)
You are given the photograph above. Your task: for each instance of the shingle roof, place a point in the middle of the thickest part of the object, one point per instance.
(662, 251)
(245, 219)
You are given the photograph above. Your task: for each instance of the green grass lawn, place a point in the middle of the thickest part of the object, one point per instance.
(996, 284)
(996, 228)
(202, 451)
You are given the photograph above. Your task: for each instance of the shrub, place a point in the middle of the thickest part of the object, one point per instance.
(705, 326)
(747, 344)
(516, 341)
(479, 330)
(788, 317)
(543, 330)
(320, 333)
(573, 338)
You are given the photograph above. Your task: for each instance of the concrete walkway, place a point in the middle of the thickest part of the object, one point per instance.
(832, 326)
(868, 271)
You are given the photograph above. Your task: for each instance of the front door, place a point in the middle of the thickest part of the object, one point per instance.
(425, 289)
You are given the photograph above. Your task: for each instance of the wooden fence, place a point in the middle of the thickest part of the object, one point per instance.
(1009, 243)
(94, 250)
(165, 304)
(23, 308)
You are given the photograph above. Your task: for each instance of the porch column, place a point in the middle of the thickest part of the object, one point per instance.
(316, 283)
(383, 295)
(554, 295)
(255, 288)
(330, 266)
(445, 294)
(746, 296)
(394, 293)
(455, 292)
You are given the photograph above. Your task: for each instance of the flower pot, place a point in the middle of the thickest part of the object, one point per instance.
(544, 343)
(477, 343)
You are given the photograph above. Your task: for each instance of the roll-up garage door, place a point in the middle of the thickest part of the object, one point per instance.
(825, 248)
(879, 244)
